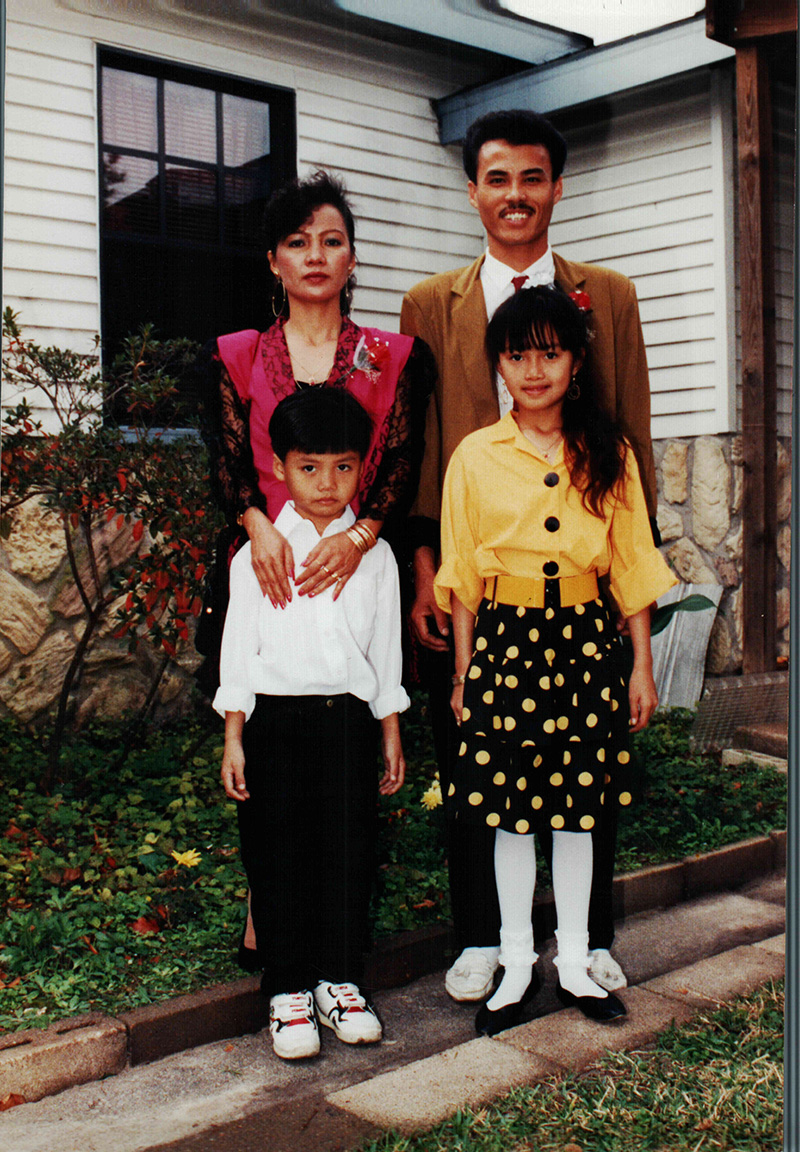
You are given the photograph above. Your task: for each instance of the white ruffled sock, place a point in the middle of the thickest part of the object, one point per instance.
(572, 886)
(515, 875)
(572, 962)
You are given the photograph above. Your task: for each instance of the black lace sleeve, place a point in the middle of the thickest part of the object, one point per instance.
(225, 426)
(395, 485)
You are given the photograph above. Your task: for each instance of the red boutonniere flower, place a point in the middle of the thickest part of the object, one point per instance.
(582, 300)
(371, 356)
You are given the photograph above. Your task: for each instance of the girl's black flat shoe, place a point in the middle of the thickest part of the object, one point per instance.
(602, 1008)
(489, 1023)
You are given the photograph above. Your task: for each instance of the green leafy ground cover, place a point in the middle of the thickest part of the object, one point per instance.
(125, 887)
(712, 1085)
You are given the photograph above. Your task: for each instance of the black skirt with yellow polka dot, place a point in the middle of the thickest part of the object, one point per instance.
(544, 733)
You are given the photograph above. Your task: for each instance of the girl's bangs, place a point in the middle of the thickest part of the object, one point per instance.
(537, 332)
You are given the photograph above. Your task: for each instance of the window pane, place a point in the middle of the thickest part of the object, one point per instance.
(191, 203)
(190, 122)
(129, 110)
(245, 130)
(130, 194)
(246, 195)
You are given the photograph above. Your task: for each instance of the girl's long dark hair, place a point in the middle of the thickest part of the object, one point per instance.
(594, 447)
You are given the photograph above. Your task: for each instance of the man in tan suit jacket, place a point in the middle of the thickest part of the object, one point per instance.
(513, 162)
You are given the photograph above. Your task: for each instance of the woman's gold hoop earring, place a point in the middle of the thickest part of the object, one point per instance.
(574, 390)
(347, 296)
(278, 311)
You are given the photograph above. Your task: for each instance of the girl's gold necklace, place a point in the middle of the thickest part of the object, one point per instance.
(549, 448)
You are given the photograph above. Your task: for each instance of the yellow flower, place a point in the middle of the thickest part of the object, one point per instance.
(191, 858)
(432, 798)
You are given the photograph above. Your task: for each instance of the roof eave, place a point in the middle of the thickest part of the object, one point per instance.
(586, 76)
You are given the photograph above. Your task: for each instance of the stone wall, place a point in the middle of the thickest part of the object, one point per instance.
(42, 618)
(699, 514)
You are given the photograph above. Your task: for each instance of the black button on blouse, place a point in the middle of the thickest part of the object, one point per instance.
(551, 479)
(552, 523)
(550, 568)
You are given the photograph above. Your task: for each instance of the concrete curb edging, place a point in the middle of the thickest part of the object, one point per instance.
(427, 1092)
(40, 1062)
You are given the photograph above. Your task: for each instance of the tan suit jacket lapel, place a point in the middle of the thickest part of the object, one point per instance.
(468, 330)
(565, 277)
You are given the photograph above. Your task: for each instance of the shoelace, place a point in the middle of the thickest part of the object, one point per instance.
(348, 998)
(297, 1011)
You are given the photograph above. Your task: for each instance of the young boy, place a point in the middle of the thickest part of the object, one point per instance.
(300, 690)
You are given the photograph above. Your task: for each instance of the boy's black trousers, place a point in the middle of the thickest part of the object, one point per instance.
(308, 836)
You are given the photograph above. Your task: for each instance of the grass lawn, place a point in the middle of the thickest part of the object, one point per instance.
(124, 886)
(712, 1085)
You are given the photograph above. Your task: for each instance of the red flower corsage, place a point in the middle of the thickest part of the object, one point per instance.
(582, 301)
(371, 356)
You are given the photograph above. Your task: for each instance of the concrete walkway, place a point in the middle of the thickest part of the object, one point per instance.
(236, 1096)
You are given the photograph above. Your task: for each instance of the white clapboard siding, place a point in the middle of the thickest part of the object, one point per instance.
(363, 109)
(644, 193)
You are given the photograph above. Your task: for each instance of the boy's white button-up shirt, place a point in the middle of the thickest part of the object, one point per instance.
(314, 646)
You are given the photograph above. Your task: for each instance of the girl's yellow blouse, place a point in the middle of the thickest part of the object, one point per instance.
(507, 511)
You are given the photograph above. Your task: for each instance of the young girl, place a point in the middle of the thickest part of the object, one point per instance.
(536, 508)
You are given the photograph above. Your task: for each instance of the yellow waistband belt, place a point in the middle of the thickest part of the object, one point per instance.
(528, 592)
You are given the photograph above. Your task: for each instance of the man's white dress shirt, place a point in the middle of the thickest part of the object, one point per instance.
(314, 646)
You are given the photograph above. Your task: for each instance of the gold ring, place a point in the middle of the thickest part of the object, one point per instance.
(325, 568)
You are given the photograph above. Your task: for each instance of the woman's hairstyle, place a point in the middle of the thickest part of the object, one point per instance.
(290, 206)
(517, 126)
(320, 420)
(594, 447)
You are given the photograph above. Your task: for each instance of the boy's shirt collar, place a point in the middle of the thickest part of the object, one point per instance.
(289, 519)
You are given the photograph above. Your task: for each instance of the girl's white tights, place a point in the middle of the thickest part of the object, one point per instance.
(515, 875)
(572, 889)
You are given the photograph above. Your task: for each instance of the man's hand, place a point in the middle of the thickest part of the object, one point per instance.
(425, 607)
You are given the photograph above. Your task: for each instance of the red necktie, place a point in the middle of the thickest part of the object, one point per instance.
(518, 281)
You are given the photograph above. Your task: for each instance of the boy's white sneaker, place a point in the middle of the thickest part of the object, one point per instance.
(343, 1008)
(293, 1025)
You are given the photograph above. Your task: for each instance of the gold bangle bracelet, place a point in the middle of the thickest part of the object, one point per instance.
(355, 538)
(367, 533)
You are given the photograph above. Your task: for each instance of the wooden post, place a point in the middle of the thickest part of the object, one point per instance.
(757, 278)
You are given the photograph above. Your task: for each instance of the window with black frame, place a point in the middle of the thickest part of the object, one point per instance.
(188, 160)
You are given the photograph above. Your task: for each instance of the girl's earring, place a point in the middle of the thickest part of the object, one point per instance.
(574, 390)
(277, 311)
